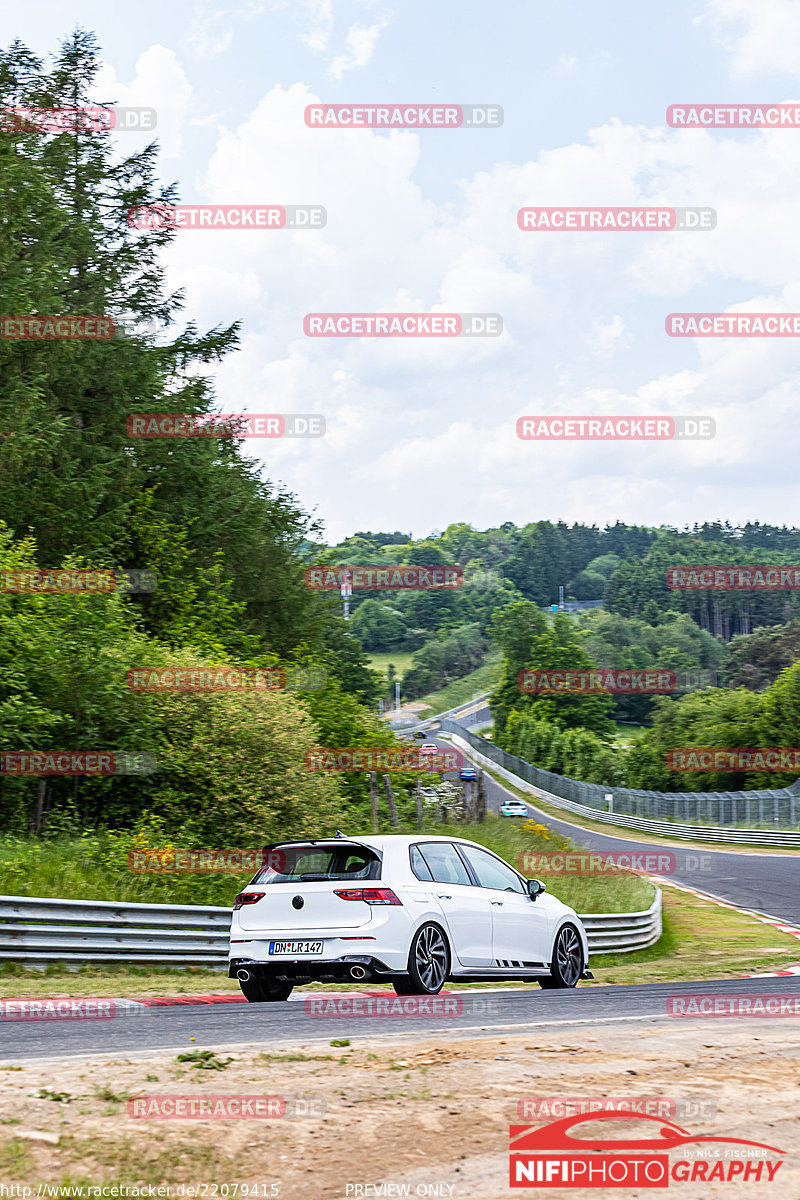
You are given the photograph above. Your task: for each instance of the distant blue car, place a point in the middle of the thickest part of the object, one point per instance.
(468, 775)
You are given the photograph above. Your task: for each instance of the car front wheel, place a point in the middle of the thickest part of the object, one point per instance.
(257, 991)
(567, 965)
(428, 964)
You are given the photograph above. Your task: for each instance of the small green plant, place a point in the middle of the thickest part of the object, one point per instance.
(205, 1060)
(340, 1042)
(58, 1097)
(105, 1093)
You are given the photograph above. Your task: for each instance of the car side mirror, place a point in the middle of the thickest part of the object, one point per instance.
(535, 888)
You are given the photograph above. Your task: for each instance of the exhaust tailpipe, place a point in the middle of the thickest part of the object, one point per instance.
(244, 975)
(358, 972)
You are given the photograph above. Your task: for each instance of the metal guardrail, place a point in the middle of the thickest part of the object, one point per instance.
(770, 810)
(38, 932)
(700, 833)
(621, 933)
(449, 713)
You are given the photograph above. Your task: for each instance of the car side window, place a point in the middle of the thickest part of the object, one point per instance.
(444, 863)
(418, 864)
(491, 872)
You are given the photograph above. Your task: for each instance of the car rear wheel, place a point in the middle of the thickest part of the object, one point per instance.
(567, 965)
(257, 991)
(428, 964)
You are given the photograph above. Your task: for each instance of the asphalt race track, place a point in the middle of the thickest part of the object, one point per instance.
(258, 1025)
(765, 883)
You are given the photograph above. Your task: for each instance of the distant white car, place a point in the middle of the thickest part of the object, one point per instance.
(410, 910)
(429, 748)
(514, 808)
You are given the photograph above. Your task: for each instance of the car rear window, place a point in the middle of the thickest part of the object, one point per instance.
(444, 863)
(419, 866)
(308, 864)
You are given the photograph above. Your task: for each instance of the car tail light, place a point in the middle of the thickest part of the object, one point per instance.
(368, 895)
(246, 898)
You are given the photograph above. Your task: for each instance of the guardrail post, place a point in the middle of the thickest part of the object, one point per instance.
(390, 800)
(373, 799)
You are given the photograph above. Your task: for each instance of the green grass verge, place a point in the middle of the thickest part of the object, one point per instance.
(627, 734)
(95, 867)
(400, 658)
(701, 940)
(484, 679)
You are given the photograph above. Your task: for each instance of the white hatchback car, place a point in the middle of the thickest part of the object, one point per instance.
(514, 808)
(410, 910)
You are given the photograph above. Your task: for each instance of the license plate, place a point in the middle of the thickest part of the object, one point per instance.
(295, 947)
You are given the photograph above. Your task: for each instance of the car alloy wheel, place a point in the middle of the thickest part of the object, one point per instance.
(428, 964)
(567, 965)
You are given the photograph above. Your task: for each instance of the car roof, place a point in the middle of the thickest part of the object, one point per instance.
(383, 841)
(410, 839)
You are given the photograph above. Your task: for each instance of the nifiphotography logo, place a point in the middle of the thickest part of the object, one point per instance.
(552, 1156)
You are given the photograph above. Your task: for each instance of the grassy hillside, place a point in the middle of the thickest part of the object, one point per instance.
(95, 867)
(462, 690)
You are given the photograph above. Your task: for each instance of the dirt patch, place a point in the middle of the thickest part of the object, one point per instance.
(423, 1113)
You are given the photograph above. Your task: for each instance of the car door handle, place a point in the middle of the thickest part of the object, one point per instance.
(499, 903)
(441, 897)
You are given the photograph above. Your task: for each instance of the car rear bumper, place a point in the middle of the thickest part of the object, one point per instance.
(350, 968)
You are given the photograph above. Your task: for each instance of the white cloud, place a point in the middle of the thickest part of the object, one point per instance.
(606, 337)
(412, 419)
(159, 82)
(360, 44)
(319, 15)
(769, 39)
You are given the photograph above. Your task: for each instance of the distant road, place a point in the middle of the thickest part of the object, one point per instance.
(766, 883)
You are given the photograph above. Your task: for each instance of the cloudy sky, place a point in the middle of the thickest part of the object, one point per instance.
(421, 432)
